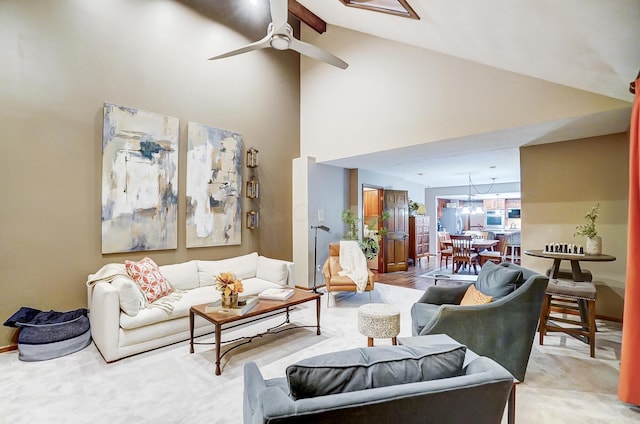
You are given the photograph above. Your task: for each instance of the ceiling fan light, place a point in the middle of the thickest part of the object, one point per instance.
(280, 42)
(466, 210)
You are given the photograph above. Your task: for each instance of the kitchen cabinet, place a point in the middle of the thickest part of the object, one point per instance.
(418, 237)
(493, 204)
(513, 203)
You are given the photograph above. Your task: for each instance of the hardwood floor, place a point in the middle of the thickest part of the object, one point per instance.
(410, 278)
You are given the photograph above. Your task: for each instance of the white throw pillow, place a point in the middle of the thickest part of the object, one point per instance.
(273, 270)
(182, 276)
(242, 266)
(130, 296)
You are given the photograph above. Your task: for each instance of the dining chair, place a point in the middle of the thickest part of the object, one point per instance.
(446, 252)
(497, 255)
(463, 253)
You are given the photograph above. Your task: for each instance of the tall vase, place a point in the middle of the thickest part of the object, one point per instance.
(230, 301)
(594, 245)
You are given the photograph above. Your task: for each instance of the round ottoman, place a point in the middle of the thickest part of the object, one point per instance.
(379, 320)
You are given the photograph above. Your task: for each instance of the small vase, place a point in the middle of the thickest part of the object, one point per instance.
(230, 301)
(594, 245)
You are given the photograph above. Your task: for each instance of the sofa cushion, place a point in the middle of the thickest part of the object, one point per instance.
(273, 270)
(497, 281)
(182, 276)
(130, 295)
(147, 275)
(242, 266)
(474, 297)
(367, 368)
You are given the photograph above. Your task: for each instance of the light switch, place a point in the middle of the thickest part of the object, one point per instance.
(320, 215)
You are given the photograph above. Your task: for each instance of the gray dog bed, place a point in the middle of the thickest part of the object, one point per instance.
(48, 335)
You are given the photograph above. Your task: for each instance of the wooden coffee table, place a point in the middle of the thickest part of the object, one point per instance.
(260, 311)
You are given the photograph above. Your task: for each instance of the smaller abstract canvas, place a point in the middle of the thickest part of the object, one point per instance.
(214, 183)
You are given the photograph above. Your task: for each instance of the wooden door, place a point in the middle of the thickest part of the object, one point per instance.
(396, 241)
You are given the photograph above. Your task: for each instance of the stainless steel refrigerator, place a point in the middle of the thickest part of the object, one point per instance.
(451, 221)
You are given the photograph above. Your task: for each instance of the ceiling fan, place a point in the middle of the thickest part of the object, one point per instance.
(280, 37)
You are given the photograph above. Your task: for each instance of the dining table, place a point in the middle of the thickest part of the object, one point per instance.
(477, 244)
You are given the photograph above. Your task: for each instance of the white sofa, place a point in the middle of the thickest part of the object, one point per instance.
(122, 326)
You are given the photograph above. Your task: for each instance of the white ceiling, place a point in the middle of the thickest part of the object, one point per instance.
(590, 45)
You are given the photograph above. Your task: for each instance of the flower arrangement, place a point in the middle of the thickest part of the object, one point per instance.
(589, 229)
(228, 284)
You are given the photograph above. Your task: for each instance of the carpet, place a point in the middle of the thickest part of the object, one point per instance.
(169, 385)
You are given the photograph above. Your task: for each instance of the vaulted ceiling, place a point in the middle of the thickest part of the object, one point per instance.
(591, 45)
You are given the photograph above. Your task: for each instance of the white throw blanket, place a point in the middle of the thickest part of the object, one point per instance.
(354, 264)
(110, 272)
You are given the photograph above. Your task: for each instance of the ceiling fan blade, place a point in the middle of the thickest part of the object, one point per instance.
(260, 44)
(317, 53)
(279, 13)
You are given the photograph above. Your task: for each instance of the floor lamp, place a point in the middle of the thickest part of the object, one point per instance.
(315, 253)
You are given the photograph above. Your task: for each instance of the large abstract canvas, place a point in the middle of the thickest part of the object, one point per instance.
(214, 182)
(139, 180)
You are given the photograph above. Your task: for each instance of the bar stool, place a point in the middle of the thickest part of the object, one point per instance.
(568, 295)
(513, 248)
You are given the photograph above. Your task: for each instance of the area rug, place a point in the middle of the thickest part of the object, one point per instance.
(170, 385)
(446, 272)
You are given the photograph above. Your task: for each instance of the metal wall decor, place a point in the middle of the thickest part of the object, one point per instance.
(252, 158)
(252, 220)
(253, 188)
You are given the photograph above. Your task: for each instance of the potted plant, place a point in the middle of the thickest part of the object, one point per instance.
(351, 219)
(370, 243)
(413, 207)
(589, 232)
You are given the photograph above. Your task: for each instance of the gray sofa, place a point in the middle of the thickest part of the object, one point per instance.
(503, 329)
(399, 384)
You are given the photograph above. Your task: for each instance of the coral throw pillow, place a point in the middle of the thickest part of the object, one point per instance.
(148, 276)
(475, 297)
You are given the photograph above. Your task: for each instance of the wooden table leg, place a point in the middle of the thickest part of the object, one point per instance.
(318, 315)
(576, 272)
(218, 341)
(191, 322)
(555, 268)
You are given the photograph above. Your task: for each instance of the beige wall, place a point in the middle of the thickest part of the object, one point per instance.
(395, 95)
(60, 61)
(562, 181)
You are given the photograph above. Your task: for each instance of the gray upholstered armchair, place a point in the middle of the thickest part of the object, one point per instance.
(503, 329)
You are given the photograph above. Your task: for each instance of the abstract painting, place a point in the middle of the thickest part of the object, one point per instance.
(139, 180)
(214, 182)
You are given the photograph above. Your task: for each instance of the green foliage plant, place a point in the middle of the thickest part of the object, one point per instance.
(589, 229)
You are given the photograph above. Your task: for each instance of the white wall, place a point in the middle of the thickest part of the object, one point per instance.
(396, 95)
(320, 195)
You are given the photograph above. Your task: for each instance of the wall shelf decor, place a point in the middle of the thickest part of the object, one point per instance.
(253, 188)
(252, 158)
(252, 220)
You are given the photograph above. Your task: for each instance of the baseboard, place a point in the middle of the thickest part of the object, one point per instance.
(8, 348)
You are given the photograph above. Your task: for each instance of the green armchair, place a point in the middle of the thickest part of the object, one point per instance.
(503, 330)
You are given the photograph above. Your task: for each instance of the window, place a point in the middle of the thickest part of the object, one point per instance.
(394, 7)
